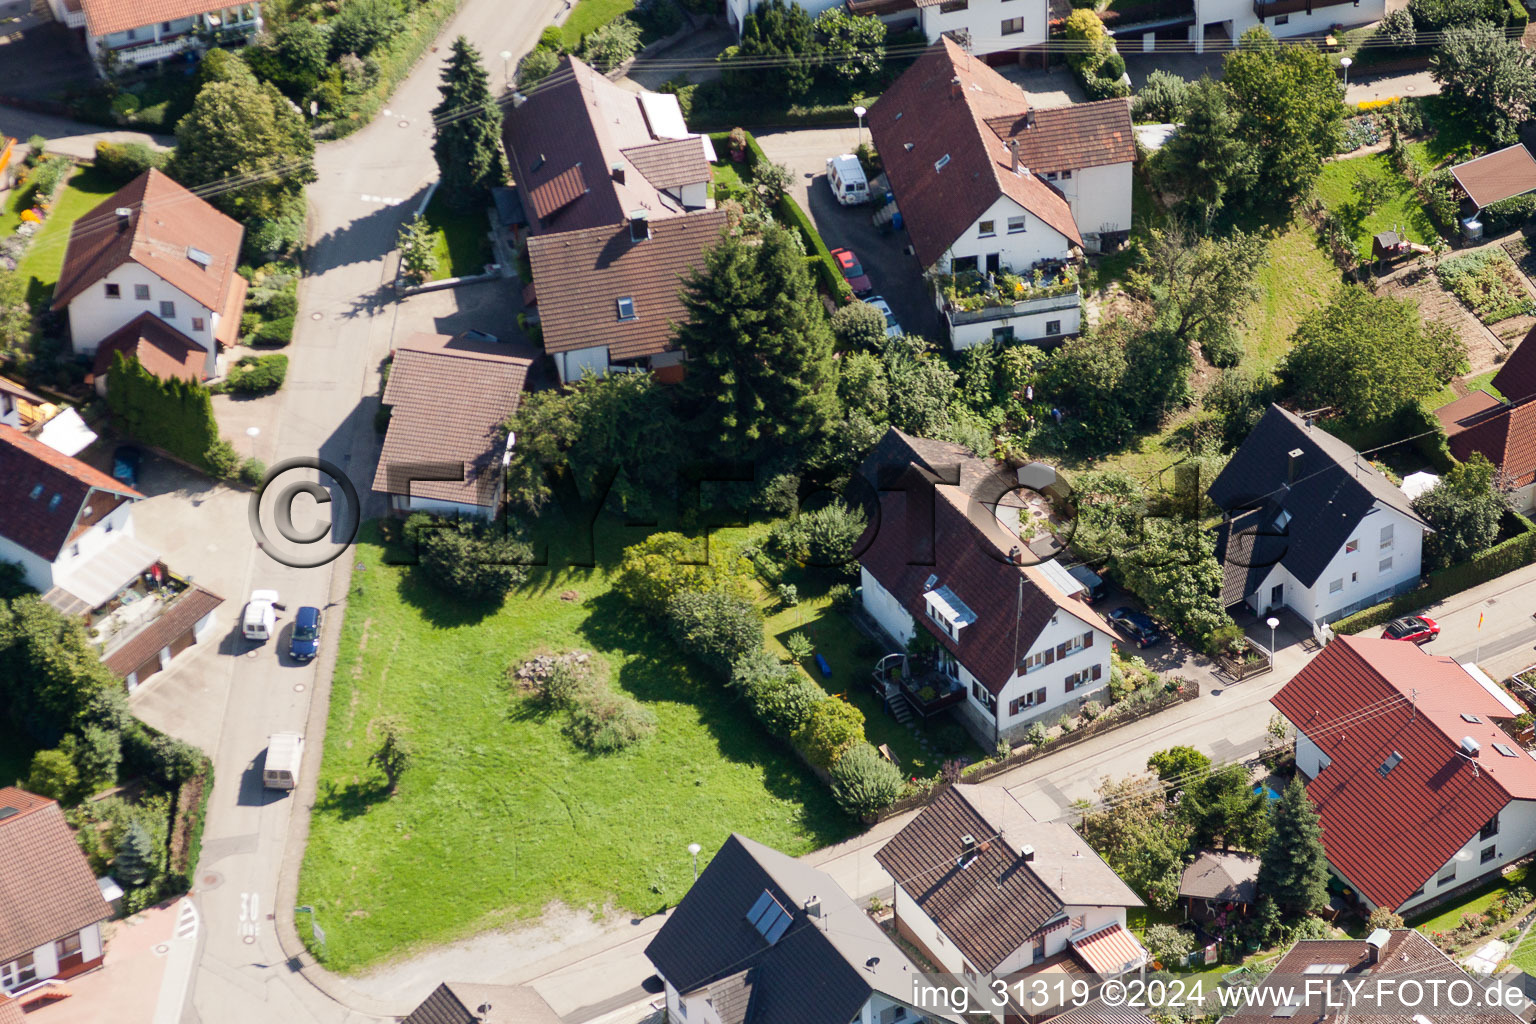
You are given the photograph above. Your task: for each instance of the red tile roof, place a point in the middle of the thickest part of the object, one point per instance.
(920, 111)
(104, 17)
(10, 1011)
(47, 890)
(966, 548)
(41, 524)
(228, 331)
(1072, 137)
(165, 222)
(449, 398)
(1516, 379)
(564, 140)
(164, 351)
(1363, 699)
(181, 615)
(1499, 175)
(1506, 436)
(581, 275)
(1468, 409)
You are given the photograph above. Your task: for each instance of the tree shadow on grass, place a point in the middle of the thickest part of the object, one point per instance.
(352, 800)
(437, 608)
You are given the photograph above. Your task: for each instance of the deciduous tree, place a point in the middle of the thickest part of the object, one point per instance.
(1136, 836)
(1204, 165)
(246, 138)
(1490, 78)
(1172, 567)
(1464, 509)
(1224, 812)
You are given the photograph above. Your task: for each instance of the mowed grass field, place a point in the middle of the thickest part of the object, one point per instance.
(86, 188)
(501, 813)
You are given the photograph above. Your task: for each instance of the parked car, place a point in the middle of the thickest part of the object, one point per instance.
(285, 754)
(490, 339)
(853, 271)
(1093, 583)
(125, 465)
(1137, 625)
(845, 176)
(1416, 629)
(305, 642)
(892, 328)
(260, 615)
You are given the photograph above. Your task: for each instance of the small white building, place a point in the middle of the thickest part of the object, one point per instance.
(1000, 197)
(1310, 525)
(1219, 23)
(54, 907)
(445, 450)
(1013, 644)
(988, 893)
(1421, 790)
(143, 32)
(153, 250)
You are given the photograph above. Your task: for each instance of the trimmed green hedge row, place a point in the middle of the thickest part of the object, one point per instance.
(1506, 556)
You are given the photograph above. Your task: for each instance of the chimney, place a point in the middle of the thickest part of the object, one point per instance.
(967, 845)
(956, 89)
(1293, 463)
(813, 906)
(1015, 555)
(639, 225)
(124, 218)
(1375, 943)
(1013, 147)
(617, 170)
(1027, 854)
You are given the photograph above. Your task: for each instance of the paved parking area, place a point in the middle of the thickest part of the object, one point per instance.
(894, 274)
(39, 58)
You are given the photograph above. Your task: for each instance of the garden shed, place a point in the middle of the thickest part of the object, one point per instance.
(1499, 175)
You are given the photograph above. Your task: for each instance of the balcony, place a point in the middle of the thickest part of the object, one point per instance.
(1270, 9)
(972, 297)
(928, 690)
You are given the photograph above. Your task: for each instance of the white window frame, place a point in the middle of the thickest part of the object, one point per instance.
(1012, 26)
(1336, 586)
(1018, 224)
(1384, 566)
(141, 293)
(18, 972)
(1387, 535)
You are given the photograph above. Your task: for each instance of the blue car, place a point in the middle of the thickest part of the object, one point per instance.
(125, 465)
(306, 634)
(1136, 625)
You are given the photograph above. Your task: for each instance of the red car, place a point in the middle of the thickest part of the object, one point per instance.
(853, 271)
(1415, 629)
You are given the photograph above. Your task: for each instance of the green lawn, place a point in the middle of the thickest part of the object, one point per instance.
(41, 262)
(1448, 916)
(458, 240)
(1524, 955)
(501, 814)
(1297, 279)
(1398, 211)
(589, 15)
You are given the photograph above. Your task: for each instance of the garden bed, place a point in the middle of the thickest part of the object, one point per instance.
(1487, 283)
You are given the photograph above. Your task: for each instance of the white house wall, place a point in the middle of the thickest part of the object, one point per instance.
(1310, 758)
(983, 19)
(97, 537)
(93, 316)
(1100, 198)
(574, 364)
(36, 571)
(1359, 572)
(1018, 250)
(1026, 327)
(1062, 627)
(1516, 838)
(883, 607)
(1240, 13)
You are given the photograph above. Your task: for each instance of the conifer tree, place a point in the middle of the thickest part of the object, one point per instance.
(1293, 870)
(468, 144)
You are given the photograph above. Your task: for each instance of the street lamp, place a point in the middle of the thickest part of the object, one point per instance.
(859, 113)
(252, 432)
(1345, 62)
(693, 850)
(506, 55)
(1271, 622)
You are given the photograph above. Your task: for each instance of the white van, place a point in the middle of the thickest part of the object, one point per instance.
(846, 178)
(260, 619)
(285, 752)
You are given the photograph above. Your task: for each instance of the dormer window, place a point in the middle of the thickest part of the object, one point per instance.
(626, 308)
(1282, 519)
(53, 502)
(37, 491)
(949, 612)
(199, 257)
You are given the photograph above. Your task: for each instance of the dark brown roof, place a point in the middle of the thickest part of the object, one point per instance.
(180, 616)
(162, 349)
(43, 524)
(1502, 174)
(449, 398)
(1516, 379)
(459, 1003)
(564, 140)
(47, 890)
(1222, 875)
(671, 162)
(581, 275)
(920, 110)
(164, 223)
(1072, 137)
(960, 543)
(880, 7)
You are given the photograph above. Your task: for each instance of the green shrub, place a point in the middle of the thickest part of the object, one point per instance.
(612, 44)
(249, 321)
(274, 333)
(96, 753)
(833, 726)
(252, 471)
(362, 26)
(863, 782)
(54, 775)
(551, 38)
(605, 722)
(170, 414)
(535, 66)
(799, 646)
(716, 627)
(221, 459)
(281, 303)
(254, 375)
(858, 325)
(1169, 943)
(566, 684)
(1162, 99)
(784, 704)
(124, 161)
(824, 537)
(468, 560)
(1508, 214)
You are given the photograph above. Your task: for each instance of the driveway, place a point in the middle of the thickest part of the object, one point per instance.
(39, 58)
(894, 274)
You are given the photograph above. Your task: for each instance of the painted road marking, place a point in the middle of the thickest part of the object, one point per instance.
(250, 913)
(186, 921)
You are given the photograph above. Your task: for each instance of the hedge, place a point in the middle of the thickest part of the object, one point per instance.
(173, 415)
(818, 256)
(1506, 556)
(1514, 28)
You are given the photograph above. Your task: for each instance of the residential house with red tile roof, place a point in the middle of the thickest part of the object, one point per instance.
(445, 449)
(1421, 791)
(136, 32)
(70, 528)
(154, 248)
(1503, 429)
(987, 184)
(609, 297)
(1014, 644)
(985, 891)
(51, 908)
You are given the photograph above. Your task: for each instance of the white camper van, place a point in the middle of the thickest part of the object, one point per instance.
(846, 178)
(285, 752)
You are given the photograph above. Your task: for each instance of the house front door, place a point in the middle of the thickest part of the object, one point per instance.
(994, 262)
(1276, 596)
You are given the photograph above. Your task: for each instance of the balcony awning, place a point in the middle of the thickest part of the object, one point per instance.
(1111, 951)
(101, 577)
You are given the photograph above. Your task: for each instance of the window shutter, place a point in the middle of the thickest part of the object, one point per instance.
(1088, 639)
(1061, 650)
(1050, 655)
(1040, 695)
(1098, 671)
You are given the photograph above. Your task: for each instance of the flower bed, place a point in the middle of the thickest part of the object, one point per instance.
(1487, 283)
(969, 291)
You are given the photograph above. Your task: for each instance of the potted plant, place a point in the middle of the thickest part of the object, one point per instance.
(738, 144)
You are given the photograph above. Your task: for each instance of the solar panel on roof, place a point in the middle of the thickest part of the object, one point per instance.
(769, 918)
(1391, 762)
(8, 812)
(1506, 750)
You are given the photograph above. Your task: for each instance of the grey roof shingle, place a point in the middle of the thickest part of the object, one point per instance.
(459, 1003)
(1069, 138)
(1221, 875)
(1326, 494)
